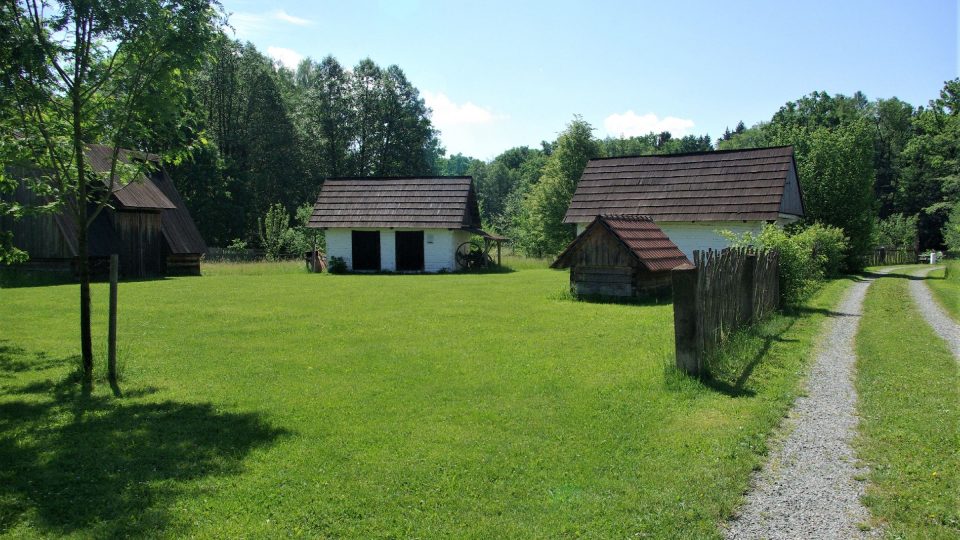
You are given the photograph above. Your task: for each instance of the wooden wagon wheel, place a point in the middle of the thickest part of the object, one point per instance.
(470, 255)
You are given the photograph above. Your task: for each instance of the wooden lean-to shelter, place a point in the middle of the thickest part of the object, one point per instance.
(620, 255)
(146, 224)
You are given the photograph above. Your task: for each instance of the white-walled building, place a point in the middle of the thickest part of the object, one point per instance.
(692, 197)
(403, 224)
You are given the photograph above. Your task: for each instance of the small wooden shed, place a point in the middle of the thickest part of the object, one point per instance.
(621, 255)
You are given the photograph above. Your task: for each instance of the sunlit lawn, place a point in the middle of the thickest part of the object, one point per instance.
(271, 402)
(908, 384)
(945, 285)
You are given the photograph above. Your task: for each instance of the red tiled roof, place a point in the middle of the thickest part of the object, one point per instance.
(642, 237)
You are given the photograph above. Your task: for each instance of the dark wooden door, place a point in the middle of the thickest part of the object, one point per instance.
(366, 250)
(409, 251)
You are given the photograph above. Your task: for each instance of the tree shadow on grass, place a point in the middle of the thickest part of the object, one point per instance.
(71, 462)
(911, 277)
(14, 359)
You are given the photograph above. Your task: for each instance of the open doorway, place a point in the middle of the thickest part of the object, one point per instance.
(409, 251)
(366, 250)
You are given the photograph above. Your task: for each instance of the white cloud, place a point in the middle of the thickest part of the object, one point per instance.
(288, 57)
(468, 128)
(630, 124)
(286, 17)
(246, 24)
(446, 113)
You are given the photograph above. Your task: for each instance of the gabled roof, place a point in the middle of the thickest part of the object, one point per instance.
(140, 193)
(729, 185)
(440, 202)
(639, 234)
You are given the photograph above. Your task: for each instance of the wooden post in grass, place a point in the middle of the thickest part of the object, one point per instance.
(112, 330)
(685, 321)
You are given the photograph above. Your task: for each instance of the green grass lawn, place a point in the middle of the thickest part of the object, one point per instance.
(910, 421)
(263, 402)
(945, 286)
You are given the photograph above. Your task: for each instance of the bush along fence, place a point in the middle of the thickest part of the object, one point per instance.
(725, 291)
(881, 256)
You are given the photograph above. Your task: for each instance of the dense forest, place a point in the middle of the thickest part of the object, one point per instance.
(248, 135)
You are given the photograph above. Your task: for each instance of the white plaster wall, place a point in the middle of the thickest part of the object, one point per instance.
(438, 250)
(339, 244)
(388, 250)
(704, 235)
(439, 247)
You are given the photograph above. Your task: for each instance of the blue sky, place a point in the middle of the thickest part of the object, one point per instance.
(503, 74)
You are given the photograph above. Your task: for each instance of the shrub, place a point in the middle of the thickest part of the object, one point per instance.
(337, 265)
(806, 257)
(274, 231)
(827, 246)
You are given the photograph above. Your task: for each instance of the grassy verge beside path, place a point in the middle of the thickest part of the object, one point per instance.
(945, 286)
(277, 402)
(907, 382)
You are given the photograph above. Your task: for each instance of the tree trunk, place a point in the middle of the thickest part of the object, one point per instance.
(83, 261)
(86, 341)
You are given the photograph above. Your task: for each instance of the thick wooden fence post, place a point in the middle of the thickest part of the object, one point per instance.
(112, 331)
(685, 321)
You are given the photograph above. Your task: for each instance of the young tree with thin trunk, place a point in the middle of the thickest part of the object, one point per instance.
(107, 73)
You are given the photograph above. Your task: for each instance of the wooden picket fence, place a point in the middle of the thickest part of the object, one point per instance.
(725, 291)
(881, 256)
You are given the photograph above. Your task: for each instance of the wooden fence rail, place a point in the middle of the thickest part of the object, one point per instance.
(726, 290)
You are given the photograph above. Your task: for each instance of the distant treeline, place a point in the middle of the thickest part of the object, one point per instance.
(262, 134)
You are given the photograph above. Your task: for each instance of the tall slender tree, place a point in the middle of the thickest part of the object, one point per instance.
(109, 70)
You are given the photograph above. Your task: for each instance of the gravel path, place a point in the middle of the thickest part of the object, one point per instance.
(807, 488)
(935, 315)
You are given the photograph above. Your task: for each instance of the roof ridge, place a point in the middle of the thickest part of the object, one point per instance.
(698, 153)
(629, 217)
(405, 177)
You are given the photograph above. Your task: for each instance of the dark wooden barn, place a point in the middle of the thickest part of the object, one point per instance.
(622, 256)
(146, 224)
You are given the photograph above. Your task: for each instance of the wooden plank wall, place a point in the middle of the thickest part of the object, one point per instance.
(727, 290)
(140, 247)
(38, 235)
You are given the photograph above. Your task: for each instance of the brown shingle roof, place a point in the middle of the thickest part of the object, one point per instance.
(641, 236)
(177, 224)
(440, 202)
(140, 193)
(728, 185)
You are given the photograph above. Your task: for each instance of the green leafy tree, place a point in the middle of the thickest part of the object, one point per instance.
(951, 230)
(896, 230)
(109, 70)
(929, 183)
(837, 177)
(543, 231)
